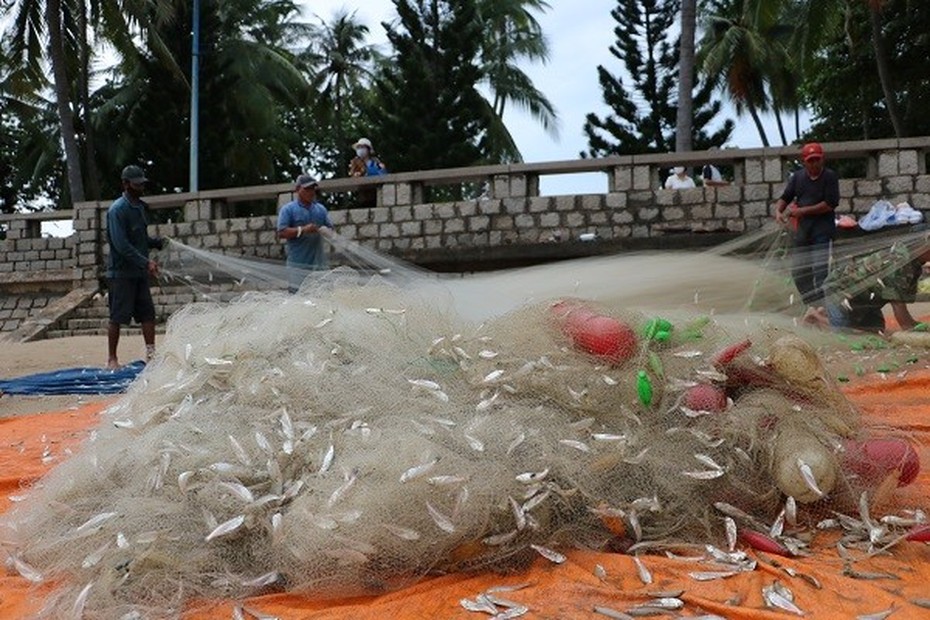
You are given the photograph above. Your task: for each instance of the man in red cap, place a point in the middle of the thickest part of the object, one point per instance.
(808, 205)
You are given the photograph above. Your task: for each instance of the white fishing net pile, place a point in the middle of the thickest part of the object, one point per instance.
(355, 437)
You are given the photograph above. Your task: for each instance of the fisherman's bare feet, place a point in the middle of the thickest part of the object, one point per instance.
(816, 317)
(112, 364)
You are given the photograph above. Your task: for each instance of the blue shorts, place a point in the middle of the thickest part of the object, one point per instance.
(130, 298)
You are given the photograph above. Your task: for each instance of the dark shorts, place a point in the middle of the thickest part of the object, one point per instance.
(130, 298)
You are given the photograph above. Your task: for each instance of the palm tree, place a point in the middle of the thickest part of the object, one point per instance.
(819, 16)
(342, 65)
(686, 76)
(513, 35)
(38, 35)
(740, 48)
(251, 78)
(58, 32)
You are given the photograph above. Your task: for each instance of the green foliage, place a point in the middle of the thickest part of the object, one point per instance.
(249, 85)
(643, 100)
(513, 38)
(343, 66)
(428, 112)
(843, 89)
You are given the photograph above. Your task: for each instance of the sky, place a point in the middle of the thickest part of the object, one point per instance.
(580, 33)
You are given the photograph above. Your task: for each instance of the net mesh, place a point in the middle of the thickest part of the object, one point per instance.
(373, 429)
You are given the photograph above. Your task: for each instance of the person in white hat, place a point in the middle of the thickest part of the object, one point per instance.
(366, 164)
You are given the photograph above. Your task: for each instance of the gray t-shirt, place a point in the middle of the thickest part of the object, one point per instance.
(806, 192)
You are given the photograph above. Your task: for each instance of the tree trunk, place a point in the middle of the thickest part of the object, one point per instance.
(884, 71)
(781, 128)
(685, 118)
(90, 142)
(755, 118)
(63, 101)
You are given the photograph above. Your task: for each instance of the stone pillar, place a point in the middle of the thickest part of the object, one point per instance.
(400, 194)
(89, 239)
(199, 211)
(620, 179)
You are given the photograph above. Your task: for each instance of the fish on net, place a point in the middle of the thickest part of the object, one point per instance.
(382, 424)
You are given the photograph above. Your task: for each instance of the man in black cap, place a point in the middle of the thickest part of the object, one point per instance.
(301, 222)
(129, 265)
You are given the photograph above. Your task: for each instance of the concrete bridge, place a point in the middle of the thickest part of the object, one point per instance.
(52, 286)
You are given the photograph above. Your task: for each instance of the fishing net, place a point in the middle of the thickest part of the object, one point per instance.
(379, 426)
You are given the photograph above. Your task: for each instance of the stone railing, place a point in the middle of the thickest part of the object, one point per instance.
(509, 223)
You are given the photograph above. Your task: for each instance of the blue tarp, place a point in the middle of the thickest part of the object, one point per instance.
(74, 381)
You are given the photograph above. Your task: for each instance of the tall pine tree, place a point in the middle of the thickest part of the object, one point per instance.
(429, 114)
(643, 99)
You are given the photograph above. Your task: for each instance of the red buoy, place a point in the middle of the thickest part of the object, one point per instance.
(873, 460)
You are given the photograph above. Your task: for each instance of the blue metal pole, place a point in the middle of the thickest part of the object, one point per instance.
(195, 96)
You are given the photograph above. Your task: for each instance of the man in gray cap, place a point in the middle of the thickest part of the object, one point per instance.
(129, 265)
(302, 222)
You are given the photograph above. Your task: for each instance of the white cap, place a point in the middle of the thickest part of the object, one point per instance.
(362, 142)
(678, 170)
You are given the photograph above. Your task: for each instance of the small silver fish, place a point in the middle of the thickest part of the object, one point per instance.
(418, 470)
(712, 575)
(611, 613)
(239, 490)
(549, 554)
(401, 532)
(644, 575)
(424, 383)
(262, 580)
(93, 524)
(442, 521)
(492, 376)
(328, 459)
(487, 355)
(730, 525)
(27, 571)
(500, 539)
(225, 528)
(807, 474)
(519, 439)
(705, 459)
(709, 474)
(513, 612)
(474, 443)
(340, 491)
(518, 515)
(77, 609)
(636, 460)
(530, 476)
(778, 596)
(479, 605)
(577, 445)
(878, 615)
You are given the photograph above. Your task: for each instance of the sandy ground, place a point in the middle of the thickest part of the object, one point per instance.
(21, 359)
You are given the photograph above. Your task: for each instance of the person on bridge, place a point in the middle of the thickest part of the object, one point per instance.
(129, 265)
(303, 222)
(679, 179)
(807, 206)
(366, 164)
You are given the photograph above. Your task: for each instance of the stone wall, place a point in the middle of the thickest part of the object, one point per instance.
(510, 219)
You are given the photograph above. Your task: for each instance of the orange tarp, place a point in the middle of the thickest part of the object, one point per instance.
(572, 589)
